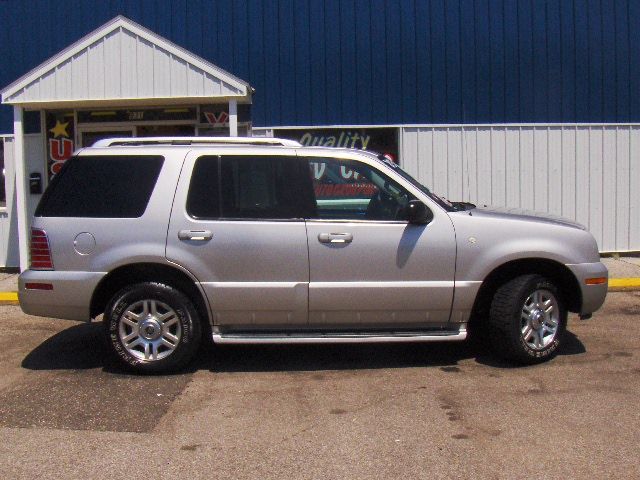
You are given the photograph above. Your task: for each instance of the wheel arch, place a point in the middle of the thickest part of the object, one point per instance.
(130, 274)
(556, 272)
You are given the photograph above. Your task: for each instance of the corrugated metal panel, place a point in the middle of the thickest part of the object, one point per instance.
(586, 173)
(101, 66)
(329, 62)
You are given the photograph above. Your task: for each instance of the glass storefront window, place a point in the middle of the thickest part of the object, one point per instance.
(165, 131)
(382, 140)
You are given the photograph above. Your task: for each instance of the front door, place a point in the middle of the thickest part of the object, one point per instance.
(370, 268)
(238, 226)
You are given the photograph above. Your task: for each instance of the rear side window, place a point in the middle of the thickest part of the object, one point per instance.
(102, 187)
(244, 187)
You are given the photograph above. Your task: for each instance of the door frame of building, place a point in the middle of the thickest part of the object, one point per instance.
(82, 129)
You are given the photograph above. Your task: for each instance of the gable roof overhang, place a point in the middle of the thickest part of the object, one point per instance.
(122, 64)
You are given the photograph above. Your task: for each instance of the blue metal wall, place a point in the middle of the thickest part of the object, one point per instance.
(375, 61)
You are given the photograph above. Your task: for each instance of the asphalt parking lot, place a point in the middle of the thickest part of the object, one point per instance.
(348, 411)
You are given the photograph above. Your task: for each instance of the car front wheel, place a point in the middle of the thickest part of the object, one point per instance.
(528, 319)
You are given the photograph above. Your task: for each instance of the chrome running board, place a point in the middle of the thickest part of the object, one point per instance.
(350, 337)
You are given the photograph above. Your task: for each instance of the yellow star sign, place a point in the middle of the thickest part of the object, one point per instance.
(60, 130)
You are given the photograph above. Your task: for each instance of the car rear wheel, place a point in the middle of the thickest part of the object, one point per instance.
(528, 319)
(152, 328)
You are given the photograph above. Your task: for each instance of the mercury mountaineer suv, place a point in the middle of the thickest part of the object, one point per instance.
(242, 240)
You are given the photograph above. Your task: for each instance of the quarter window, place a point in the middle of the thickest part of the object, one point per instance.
(352, 190)
(101, 186)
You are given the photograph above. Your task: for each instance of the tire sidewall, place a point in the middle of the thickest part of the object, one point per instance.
(185, 311)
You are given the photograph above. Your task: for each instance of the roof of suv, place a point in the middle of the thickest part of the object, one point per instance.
(119, 145)
(188, 141)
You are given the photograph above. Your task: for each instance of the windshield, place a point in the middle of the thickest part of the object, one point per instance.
(443, 202)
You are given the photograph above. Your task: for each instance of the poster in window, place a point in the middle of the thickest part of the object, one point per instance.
(60, 137)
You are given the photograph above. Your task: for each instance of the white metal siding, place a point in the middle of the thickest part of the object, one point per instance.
(8, 217)
(34, 158)
(588, 173)
(122, 64)
(35, 162)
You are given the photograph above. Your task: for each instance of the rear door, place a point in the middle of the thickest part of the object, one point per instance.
(238, 225)
(369, 267)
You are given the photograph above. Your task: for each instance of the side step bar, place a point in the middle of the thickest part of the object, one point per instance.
(302, 338)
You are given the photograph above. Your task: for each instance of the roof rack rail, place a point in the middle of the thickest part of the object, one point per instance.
(140, 141)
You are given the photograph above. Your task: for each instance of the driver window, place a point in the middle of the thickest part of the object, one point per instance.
(351, 190)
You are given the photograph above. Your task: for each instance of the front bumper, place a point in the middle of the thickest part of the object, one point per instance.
(592, 295)
(70, 297)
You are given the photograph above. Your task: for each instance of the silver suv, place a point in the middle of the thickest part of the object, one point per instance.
(266, 241)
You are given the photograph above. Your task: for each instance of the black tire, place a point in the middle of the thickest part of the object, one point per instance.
(182, 317)
(506, 322)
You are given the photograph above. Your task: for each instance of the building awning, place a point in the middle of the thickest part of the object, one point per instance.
(123, 63)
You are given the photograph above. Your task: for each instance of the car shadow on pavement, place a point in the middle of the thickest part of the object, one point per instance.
(76, 348)
(83, 347)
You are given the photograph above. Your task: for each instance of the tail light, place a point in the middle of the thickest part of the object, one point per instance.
(40, 251)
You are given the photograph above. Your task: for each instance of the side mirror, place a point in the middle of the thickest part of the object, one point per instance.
(418, 213)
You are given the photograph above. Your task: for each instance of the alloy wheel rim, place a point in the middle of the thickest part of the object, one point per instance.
(539, 319)
(149, 330)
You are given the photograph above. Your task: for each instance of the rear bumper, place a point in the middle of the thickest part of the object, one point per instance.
(70, 297)
(592, 295)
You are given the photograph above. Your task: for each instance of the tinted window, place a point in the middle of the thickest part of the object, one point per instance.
(203, 200)
(260, 187)
(101, 186)
(351, 190)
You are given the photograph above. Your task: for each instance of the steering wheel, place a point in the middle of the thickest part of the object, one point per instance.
(383, 206)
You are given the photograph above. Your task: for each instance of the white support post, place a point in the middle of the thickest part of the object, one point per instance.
(233, 118)
(21, 188)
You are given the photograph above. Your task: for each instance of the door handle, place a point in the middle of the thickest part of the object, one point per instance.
(335, 238)
(197, 235)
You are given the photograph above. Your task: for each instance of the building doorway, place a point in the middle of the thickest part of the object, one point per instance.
(165, 131)
(90, 135)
